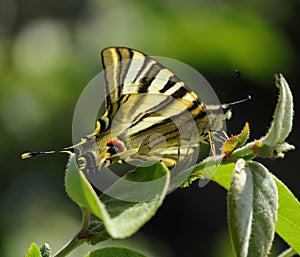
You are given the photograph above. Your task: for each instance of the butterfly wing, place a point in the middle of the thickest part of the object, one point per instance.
(149, 112)
(128, 71)
(144, 98)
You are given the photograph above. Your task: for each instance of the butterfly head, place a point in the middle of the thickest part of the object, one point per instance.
(98, 150)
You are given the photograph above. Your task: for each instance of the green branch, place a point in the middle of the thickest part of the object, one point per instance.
(288, 253)
(69, 247)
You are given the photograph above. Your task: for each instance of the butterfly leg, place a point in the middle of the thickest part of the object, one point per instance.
(211, 144)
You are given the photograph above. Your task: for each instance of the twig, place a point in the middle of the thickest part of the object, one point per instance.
(69, 247)
(79, 239)
(288, 253)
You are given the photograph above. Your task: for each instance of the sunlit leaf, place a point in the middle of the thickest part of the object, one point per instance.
(236, 141)
(288, 224)
(252, 209)
(138, 200)
(288, 220)
(33, 251)
(80, 190)
(283, 115)
(126, 205)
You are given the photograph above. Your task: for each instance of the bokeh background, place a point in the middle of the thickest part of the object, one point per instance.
(49, 50)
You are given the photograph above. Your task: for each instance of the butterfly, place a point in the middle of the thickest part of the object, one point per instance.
(150, 115)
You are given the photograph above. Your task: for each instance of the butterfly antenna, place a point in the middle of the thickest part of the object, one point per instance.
(229, 105)
(68, 150)
(28, 155)
(33, 154)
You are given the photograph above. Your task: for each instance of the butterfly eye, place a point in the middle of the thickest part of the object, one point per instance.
(115, 146)
(77, 151)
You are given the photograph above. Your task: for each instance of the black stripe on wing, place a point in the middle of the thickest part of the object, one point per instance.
(128, 71)
(116, 62)
(168, 85)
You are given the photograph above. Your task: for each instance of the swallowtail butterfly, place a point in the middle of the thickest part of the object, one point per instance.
(145, 102)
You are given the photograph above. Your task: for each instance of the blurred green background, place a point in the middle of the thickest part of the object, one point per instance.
(49, 50)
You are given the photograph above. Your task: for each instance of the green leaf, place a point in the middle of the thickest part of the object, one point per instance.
(33, 251)
(224, 174)
(284, 147)
(80, 190)
(128, 206)
(252, 209)
(209, 170)
(272, 144)
(288, 224)
(125, 206)
(115, 251)
(283, 115)
(288, 218)
(236, 141)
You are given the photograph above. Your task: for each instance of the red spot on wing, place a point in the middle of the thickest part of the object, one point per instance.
(116, 143)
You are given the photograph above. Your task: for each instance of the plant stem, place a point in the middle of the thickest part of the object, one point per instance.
(243, 151)
(288, 253)
(69, 247)
(79, 239)
(85, 222)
